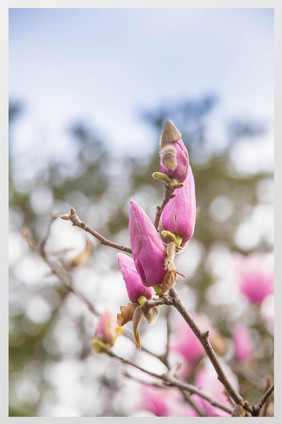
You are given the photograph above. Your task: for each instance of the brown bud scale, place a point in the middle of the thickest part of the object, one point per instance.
(168, 157)
(170, 134)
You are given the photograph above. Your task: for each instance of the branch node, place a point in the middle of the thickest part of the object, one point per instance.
(206, 334)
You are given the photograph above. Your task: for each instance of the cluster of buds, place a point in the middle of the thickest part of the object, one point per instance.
(154, 249)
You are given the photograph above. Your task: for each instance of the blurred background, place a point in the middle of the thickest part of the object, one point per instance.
(90, 90)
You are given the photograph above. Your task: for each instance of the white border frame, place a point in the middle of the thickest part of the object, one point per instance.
(4, 9)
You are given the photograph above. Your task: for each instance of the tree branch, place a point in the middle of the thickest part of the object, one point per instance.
(203, 338)
(187, 396)
(61, 274)
(188, 399)
(169, 189)
(76, 222)
(172, 382)
(257, 408)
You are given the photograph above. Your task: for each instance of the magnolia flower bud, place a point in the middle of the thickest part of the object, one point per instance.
(147, 247)
(173, 153)
(179, 215)
(134, 286)
(106, 332)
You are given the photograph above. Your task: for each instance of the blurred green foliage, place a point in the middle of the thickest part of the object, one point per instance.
(97, 177)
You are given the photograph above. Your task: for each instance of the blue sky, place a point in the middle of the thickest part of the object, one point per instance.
(105, 66)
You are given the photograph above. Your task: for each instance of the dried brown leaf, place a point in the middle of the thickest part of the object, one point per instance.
(151, 314)
(126, 314)
(82, 257)
(136, 321)
(169, 280)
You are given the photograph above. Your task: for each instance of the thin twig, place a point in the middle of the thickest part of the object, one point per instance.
(172, 382)
(56, 269)
(161, 386)
(188, 399)
(76, 221)
(169, 189)
(44, 240)
(162, 301)
(168, 331)
(267, 394)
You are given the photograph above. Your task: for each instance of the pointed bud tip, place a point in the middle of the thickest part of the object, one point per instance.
(170, 134)
(65, 217)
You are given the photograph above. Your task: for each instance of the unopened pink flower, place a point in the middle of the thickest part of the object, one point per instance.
(255, 276)
(134, 286)
(174, 155)
(147, 247)
(179, 215)
(243, 345)
(207, 381)
(164, 402)
(107, 330)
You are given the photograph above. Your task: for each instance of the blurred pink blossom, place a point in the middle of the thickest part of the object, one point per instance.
(147, 247)
(164, 402)
(179, 215)
(187, 344)
(255, 276)
(134, 286)
(207, 381)
(243, 345)
(107, 331)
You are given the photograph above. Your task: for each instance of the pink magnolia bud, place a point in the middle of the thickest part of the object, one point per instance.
(174, 155)
(207, 381)
(134, 286)
(107, 331)
(255, 276)
(147, 247)
(243, 345)
(179, 215)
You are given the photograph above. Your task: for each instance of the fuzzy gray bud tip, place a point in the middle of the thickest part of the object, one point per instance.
(170, 134)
